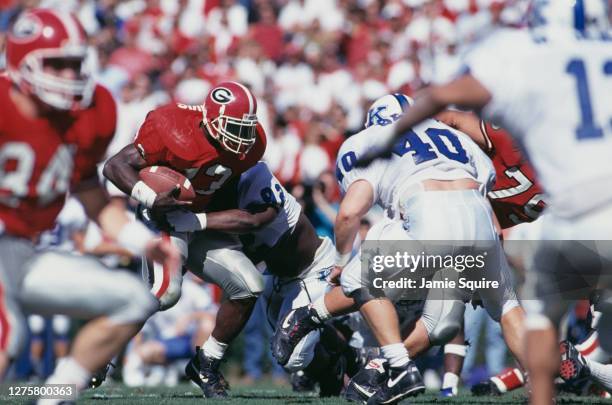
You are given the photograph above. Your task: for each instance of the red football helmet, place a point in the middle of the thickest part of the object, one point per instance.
(230, 116)
(42, 38)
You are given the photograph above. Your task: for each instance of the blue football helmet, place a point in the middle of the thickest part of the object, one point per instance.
(387, 109)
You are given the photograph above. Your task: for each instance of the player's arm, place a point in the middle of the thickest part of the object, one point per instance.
(356, 203)
(466, 122)
(115, 223)
(235, 221)
(122, 170)
(465, 92)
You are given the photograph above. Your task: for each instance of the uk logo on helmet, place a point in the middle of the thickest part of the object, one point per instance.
(26, 27)
(221, 95)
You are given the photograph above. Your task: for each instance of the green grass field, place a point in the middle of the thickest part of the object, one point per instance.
(271, 395)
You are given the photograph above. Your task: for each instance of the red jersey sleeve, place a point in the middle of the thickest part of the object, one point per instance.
(149, 143)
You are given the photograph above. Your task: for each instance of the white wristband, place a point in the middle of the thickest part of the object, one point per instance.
(342, 259)
(134, 236)
(203, 221)
(144, 194)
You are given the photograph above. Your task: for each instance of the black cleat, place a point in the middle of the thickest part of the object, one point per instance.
(367, 381)
(573, 366)
(301, 382)
(290, 330)
(401, 382)
(485, 388)
(100, 376)
(204, 372)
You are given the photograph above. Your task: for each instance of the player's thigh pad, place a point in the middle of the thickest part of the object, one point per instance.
(82, 287)
(218, 258)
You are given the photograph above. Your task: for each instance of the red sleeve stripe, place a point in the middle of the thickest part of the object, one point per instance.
(5, 326)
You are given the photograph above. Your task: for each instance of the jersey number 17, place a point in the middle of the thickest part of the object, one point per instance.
(588, 128)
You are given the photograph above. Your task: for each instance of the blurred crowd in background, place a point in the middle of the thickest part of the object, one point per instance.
(315, 67)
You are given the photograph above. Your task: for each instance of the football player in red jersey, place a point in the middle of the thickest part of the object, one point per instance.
(516, 196)
(211, 145)
(54, 129)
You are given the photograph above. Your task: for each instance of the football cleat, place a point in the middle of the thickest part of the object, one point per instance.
(367, 381)
(485, 388)
(301, 382)
(100, 376)
(401, 382)
(446, 392)
(290, 330)
(204, 372)
(573, 366)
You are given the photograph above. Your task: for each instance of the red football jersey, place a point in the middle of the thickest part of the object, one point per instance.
(516, 196)
(41, 159)
(171, 136)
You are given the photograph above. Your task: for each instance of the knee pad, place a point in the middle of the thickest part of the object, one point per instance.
(362, 295)
(444, 321)
(232, 271)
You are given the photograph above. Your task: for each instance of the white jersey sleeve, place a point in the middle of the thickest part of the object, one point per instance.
(554, 95)
(500, 72)
(259, 188)
(350, 151)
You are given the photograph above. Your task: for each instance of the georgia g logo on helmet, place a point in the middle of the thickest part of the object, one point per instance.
(221, 95)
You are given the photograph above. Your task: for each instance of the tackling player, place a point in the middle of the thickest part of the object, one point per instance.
(55, 126)
(439, 323)
(449, 182)
(551, 89)
(211, 145)
(275, 230)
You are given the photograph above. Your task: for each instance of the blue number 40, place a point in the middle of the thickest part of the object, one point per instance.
(423, 151)
(588, 128)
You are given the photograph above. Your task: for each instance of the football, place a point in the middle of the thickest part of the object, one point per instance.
(162, 179)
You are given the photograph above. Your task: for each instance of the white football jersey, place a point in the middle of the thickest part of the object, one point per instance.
(555, 98)
(258, 187)
(431, 150)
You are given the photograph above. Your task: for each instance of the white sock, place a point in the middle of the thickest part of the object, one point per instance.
(321, 309)
(602, 373)
(67, 371)
(213, 348)
(450, 380)
(396, 354)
